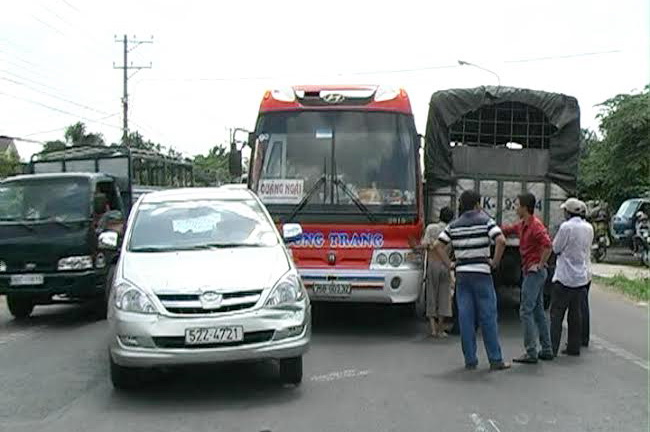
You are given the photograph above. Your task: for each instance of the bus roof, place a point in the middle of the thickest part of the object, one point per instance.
(336, 97)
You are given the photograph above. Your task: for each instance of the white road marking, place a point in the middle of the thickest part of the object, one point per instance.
(479, 425)
(600, 343)
(620, 352)
(339, 375)
(494, 425)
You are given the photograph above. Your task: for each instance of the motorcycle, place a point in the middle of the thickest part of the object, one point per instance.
(601, 239)
(641, 239)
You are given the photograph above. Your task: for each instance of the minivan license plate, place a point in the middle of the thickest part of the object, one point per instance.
(26, 279)
(334, 289)
(211, 335)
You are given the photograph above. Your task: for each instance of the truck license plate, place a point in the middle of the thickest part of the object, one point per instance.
(27, 279)
(333, 289)
(210, 335)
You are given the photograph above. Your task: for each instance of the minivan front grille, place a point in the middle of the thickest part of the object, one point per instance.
(191, 304)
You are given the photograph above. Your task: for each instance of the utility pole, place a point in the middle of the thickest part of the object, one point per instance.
(126, 67)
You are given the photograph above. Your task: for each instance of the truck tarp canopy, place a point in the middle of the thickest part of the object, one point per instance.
(449, 106)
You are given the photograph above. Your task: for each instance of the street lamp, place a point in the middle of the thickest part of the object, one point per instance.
(464, 63)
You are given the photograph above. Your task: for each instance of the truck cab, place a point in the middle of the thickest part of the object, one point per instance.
(49, 228)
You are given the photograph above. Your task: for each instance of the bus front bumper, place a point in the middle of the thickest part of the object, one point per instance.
(363, 286)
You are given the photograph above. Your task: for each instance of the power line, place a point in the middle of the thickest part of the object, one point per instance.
(57, 109)
(89, 108)
(560, 57)
(70, 5)
(65, 127)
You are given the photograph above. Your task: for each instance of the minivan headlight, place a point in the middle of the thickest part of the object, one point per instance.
(287, 290)
(129, 298)
(83, 262)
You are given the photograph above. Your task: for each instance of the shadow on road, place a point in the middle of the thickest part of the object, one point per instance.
(210, 387)
(54, 316)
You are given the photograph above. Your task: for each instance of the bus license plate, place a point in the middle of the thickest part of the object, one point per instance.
(334, 289)
(211, 335)
(27, 279)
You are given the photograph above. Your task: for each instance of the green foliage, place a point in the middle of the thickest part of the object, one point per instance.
(638, 289)
(51, 146)
(211, 169)
(617, 167)
(9, 165)
(76, 135)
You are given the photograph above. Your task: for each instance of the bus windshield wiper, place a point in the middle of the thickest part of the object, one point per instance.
(303, 202)
(354, 199)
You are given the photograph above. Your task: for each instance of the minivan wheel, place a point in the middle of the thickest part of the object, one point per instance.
(20, 307)
(291, 370)
(124, 378)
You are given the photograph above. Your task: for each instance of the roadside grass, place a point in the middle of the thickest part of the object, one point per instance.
(637, 289)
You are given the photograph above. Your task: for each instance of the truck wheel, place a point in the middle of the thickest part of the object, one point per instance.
(291, 370)
(124, 378)
(20, 307)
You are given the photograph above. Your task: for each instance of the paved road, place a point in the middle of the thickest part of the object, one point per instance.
(369, 370)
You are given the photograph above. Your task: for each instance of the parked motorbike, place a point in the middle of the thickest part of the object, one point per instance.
(641, 239)
(601, 238)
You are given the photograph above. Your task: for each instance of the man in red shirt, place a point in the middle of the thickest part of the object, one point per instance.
(535, 247)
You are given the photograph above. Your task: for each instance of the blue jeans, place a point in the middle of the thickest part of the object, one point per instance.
(477, 300)
(531, 312)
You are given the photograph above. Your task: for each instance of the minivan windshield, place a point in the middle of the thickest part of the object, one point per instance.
(195, 225)
(33, 200)
(627, 209)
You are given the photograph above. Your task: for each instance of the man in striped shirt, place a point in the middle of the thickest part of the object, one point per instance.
(470, 237)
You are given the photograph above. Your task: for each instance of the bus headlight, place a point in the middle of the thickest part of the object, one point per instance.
(395, 259)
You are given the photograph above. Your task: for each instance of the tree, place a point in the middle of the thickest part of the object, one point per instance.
(9, 165)
(76, 135)
(617, 167)
(51, 146)
(211, 169)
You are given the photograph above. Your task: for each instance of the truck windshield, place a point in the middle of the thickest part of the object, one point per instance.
(173, 226)
(45, 199)
(372, 153)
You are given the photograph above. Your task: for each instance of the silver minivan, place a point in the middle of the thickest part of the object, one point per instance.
(204, 277)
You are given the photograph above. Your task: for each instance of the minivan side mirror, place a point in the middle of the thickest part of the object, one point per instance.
(108, 240)
(291, 232)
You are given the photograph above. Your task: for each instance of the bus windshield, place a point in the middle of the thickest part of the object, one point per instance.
(372, 154)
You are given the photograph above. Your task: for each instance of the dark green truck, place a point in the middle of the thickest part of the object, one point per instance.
(49, 224)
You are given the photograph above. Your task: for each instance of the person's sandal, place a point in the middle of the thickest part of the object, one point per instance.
(499, 366)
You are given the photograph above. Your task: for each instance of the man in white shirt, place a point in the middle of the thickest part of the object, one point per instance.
(572, 246)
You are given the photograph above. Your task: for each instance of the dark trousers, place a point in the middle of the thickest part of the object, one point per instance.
(565, 298)
(585, 316)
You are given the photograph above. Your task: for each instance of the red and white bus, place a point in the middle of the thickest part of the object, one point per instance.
(343, 161)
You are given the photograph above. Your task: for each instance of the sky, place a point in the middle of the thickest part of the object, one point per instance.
(212, 60)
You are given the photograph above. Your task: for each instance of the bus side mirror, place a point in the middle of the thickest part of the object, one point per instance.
(235, 161)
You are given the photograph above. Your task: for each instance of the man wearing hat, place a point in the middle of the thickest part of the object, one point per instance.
(572, 246)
